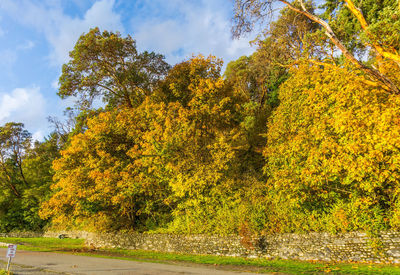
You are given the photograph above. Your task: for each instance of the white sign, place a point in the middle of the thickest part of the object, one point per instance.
(12, 248)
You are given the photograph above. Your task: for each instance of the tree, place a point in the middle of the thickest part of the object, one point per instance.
(332, 153)
(249, 12)
(25, 177)
(208, 156)
(287, 40)
(181, 78)
(368, 23)
(104, 179)
(39, 172)
(14, 143)
(257, 78)
(178, 161)
(108, 66)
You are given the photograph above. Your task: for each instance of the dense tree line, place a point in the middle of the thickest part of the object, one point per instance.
(303, 135)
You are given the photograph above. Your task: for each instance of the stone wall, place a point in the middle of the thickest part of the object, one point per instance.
(194, 244)
(353, 246)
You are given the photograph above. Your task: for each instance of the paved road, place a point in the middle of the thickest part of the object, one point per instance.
(35, 263)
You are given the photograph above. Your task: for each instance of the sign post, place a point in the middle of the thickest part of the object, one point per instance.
(12, 248)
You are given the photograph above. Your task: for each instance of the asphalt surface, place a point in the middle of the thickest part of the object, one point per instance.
(35, 263)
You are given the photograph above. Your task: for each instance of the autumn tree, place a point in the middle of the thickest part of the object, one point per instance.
(106, 66)
(181, 78)
(332, 154)
(370, 29)
(295, 137)
(104, 179)
(258, 77)
(177, 161)
(210, 158)
(249, 12)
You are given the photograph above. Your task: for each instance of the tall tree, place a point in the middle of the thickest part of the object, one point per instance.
(108, 66)
(287, 40)
(332, 154)
(209, 153)
(104, 179)
(248, 12)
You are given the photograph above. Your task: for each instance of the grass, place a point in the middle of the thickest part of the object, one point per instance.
(76, 246)
(45, 244)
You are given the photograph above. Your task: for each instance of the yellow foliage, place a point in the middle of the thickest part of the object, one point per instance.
(182, 155)
(334, 141)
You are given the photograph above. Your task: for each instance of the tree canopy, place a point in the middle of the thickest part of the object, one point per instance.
(106, 66)
(302, 135)
(249, 12)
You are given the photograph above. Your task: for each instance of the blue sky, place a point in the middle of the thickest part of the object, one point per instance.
(36, 36)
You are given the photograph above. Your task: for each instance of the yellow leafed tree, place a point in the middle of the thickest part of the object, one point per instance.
(333, 153)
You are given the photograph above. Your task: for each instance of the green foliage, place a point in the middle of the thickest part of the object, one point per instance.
(382, 17)
(107, 66)
(26, 176)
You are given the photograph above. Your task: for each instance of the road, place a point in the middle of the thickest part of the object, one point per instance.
(35, 263)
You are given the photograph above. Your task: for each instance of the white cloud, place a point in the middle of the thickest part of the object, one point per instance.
(55, 85)
(176, 28)
(26, 46)
(199, 27)
(60, 29)
(38, 135)
(63, 39)
(26, 105)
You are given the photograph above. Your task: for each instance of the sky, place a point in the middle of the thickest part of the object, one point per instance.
(37, 35)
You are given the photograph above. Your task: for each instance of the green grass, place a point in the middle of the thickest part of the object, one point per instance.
(257, 265)
(230, 263)
(45, 244)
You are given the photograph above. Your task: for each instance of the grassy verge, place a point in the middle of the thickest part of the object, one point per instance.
(230, 263)
(45, 244)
